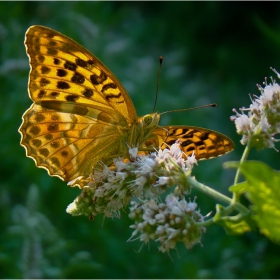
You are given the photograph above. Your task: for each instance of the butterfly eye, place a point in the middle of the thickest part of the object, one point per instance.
(147, 120)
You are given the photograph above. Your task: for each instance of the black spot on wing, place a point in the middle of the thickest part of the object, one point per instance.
(108, 86)
(42, 93)
(53, 127)
(204, 136)
(45, 70)
(56, 61)
(52, 51)
(96, 80)
(44, 82)
(70, 65)
(62, 85)
(40, 58)
(81, 62)
(54, 94)
(78, 78)
(87, 93)
(72, 97)
(61, 72)
(109, 97)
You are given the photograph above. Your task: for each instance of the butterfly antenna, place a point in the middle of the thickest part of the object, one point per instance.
(188, 109)
(158, 79)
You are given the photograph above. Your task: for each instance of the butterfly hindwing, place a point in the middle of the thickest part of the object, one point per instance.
(204, 143)
(67, 145)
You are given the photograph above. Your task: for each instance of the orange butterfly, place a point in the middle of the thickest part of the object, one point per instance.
(82, 115)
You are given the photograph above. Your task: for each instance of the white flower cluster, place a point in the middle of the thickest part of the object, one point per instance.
(144, 177)
(168, 223)
(262, 121)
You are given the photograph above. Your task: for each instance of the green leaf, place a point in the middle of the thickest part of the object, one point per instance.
(234, 225)
(239, 189)
(263, 185)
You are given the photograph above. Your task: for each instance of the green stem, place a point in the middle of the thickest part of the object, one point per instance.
(217, 195)
(243, 158)
(207, 190)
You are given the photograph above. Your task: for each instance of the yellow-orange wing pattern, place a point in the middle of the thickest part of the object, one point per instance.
(82, 114)
(204, 143)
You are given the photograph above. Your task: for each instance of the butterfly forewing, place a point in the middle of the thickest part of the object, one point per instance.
(63, 70)
(80, 109)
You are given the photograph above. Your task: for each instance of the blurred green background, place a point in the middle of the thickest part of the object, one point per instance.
(213, 52)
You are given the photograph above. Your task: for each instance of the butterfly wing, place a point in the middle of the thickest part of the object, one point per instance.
(81, 112)
(204, 143)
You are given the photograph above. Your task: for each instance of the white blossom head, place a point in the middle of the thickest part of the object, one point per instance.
(259, 123)
(143, 177)
(175, 221)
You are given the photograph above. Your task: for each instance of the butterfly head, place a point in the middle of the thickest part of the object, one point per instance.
(150, 121)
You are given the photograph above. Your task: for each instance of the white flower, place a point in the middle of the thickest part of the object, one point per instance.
(243, 124)
(175, 150)
(163, 180)
(133, 152)
(143, 178)
(267, 95)
(169, 223)
(140, 181)
(71, 207)
(259, 123)
(191, 161)
(120, 165)
(121, 175)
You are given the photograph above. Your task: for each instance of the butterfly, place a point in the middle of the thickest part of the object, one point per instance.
(82, 114)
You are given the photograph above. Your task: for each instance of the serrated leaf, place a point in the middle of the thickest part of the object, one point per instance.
(263, 184)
